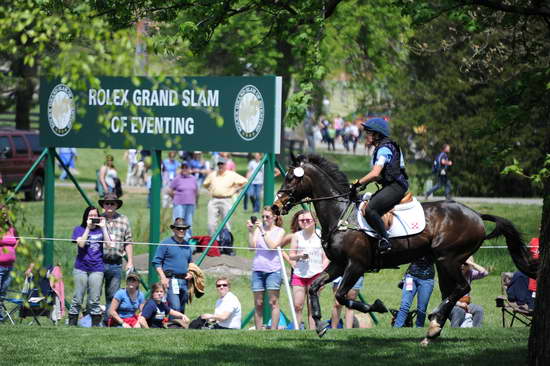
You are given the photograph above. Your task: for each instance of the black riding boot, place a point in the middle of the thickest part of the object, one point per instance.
(73, 320)
(375, 221)
(96, 320)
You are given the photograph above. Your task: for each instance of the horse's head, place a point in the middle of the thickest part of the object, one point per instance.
(296, 186)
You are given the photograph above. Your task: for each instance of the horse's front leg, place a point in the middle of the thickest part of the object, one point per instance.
(329, 274)
(350, 277)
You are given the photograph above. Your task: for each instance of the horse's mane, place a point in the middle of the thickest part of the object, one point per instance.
(330, 168)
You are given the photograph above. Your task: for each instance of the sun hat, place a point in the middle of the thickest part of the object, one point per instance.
(110, 197)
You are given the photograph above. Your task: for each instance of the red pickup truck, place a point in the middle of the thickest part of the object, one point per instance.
(19, 149)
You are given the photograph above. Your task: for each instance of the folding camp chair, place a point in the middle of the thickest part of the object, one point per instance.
(8, 307)
(32, 302)
(509, 308)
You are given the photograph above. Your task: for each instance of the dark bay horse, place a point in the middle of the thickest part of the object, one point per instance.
(453, 233)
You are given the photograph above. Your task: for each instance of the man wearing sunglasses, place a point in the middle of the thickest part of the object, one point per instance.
(172, 263)
(227, 314)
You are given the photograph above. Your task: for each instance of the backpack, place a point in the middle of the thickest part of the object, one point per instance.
(225, 238)
(436, 166)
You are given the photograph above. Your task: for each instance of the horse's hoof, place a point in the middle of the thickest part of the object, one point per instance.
(322, 329)
(425, 342)
(378, 307)
(434, 329)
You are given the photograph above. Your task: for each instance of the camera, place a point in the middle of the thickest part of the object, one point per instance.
(253, 219)
(96, 220)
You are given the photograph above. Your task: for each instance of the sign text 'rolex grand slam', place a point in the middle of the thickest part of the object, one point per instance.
(153, 98)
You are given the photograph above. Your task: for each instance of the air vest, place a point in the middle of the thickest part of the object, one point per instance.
(392, 171)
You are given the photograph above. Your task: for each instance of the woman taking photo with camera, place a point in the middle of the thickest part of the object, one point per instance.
(89, 237)
(265, 236)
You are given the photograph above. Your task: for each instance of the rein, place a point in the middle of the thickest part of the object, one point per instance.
(309, 200)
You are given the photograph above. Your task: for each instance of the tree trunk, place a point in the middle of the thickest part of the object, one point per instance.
(539, 338)
(24, 93)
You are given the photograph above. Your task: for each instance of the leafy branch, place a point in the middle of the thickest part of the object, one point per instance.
(536, 178)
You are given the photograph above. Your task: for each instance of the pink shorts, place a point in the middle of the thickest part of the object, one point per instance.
(131, 321)
(300, 281)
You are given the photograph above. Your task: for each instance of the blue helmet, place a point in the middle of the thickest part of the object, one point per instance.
(379, 125)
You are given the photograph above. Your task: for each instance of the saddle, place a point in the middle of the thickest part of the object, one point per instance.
(404, 219)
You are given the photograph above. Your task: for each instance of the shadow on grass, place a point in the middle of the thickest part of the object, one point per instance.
(308, 350)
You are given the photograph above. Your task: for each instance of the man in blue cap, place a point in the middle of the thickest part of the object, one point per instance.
(388, 170)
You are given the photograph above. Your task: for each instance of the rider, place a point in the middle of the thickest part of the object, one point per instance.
(388, 169)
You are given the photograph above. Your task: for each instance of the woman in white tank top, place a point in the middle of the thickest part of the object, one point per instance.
(107, 175)
(308, 260)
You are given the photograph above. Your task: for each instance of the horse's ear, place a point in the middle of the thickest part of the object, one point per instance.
(293, 160)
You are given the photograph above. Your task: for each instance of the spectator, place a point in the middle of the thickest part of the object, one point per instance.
(126, 304)
(68, 157)
(255, 189)
(227, 313)
(331, 137)
(172, 264)
(354, 135)
(222, 184)
(518, 291)
(337, 308)
(471, 271)
(308, 261)
(120, 233)
(8, 245)
(155, 311)
(265, 236)
(89, 237)
(200, 168)
(170, 168)
(442, 163)
(107, 176)
(419, 279)
(184, 193)
(229, 163)
(130, 156)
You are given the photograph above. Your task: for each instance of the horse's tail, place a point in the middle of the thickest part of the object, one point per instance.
(518, 250)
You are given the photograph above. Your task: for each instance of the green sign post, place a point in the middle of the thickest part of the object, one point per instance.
(234, 114)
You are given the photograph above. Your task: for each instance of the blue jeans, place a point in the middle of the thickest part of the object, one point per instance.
(89, 282)
(112, 275)
(186, 212)
(5, 281)
(442, 181)
(262, 281)
(424, 289)
(177, 301)
(68, 161)
(458, 315)
(254, 193)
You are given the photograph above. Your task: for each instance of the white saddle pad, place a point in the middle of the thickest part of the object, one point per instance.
(408, 220)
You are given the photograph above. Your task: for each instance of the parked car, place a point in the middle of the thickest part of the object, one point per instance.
(19, 150)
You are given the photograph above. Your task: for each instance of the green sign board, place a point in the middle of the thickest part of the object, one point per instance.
(190, 113)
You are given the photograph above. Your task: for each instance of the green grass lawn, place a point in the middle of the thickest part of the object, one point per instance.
(64, 346)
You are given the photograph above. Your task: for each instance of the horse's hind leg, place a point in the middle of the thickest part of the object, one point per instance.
(350, 277)
(329, 274)
(453, 286)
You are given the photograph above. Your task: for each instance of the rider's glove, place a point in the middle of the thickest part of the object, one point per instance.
(353, 190)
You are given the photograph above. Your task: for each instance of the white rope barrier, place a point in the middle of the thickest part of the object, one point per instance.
(204, 246)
